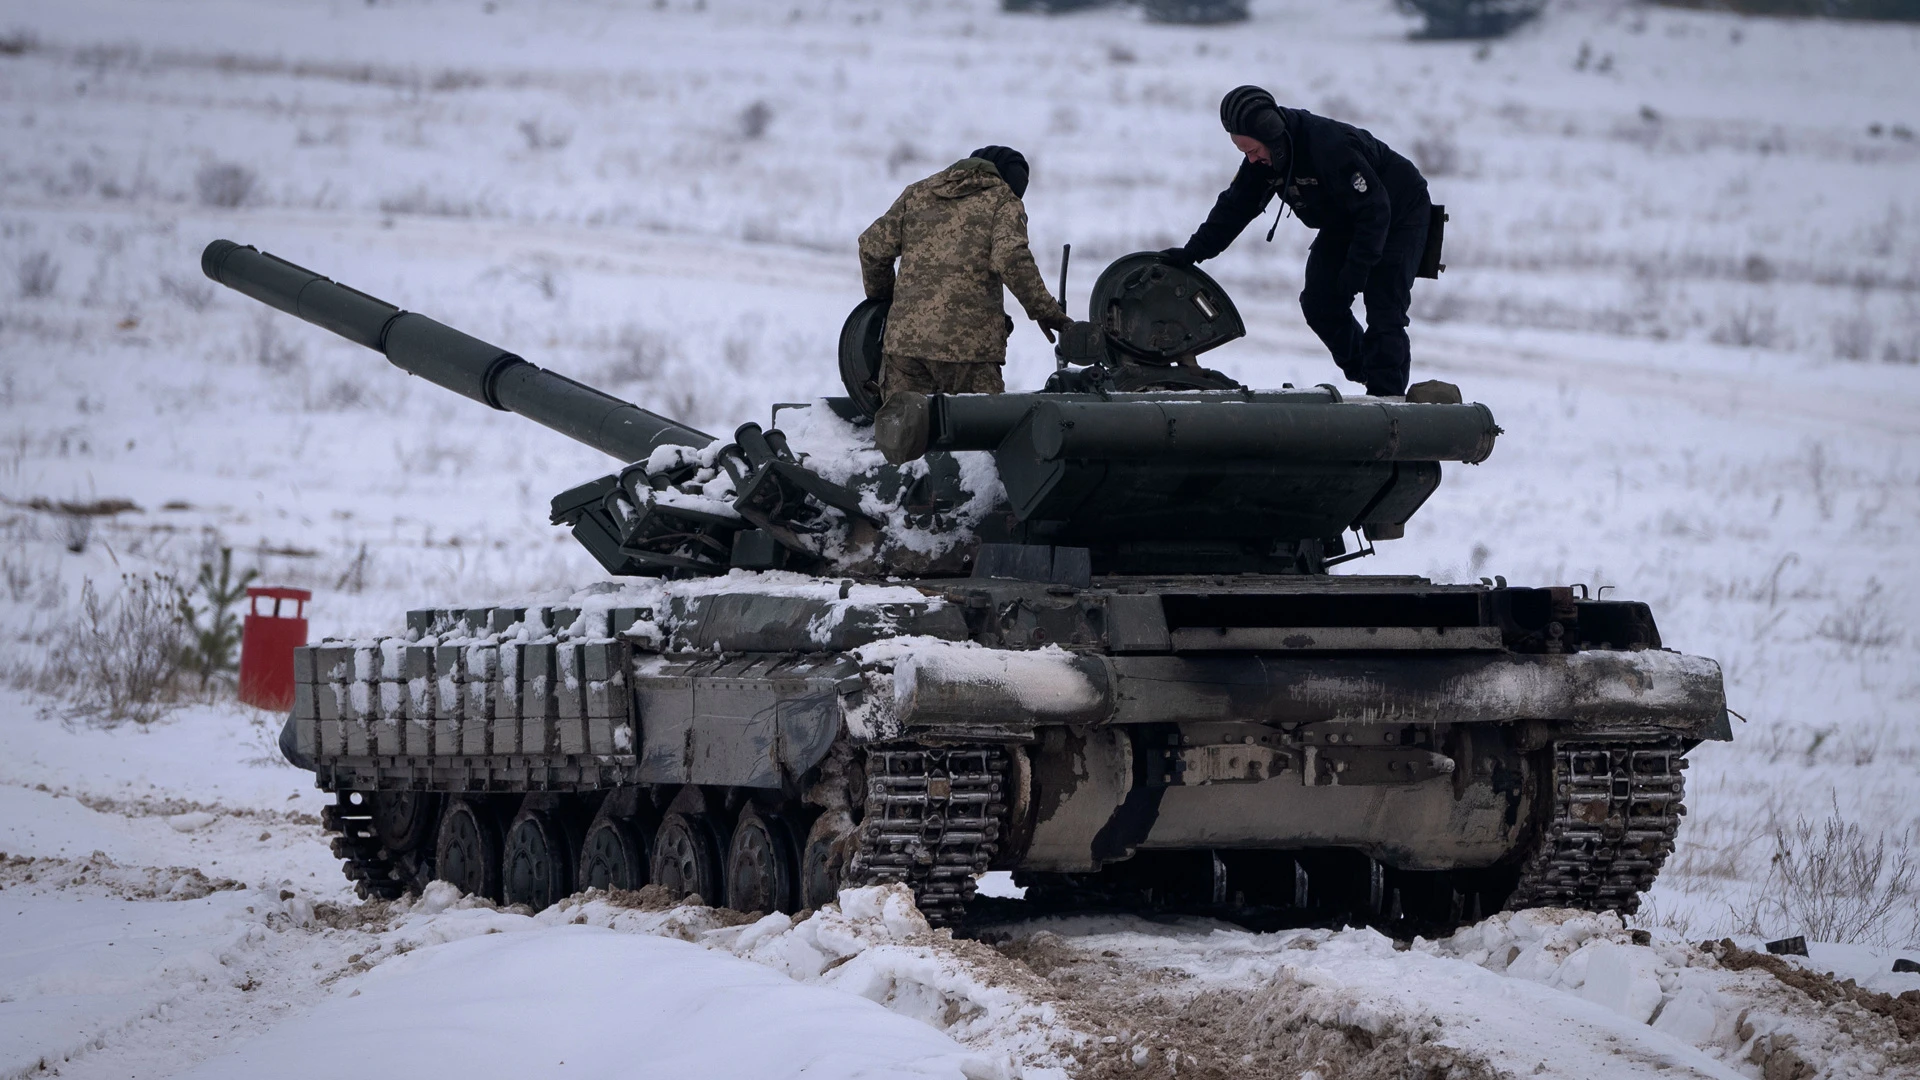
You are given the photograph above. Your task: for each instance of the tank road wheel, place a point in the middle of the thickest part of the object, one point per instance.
(613, 856)
(533, 870)
(823, 862)
(405, 820)
(686, 857)
(760, 870)
(468, 854)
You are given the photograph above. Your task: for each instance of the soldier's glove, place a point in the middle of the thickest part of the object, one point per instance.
(1051, 322)
(1179, 255)
(1353, 279)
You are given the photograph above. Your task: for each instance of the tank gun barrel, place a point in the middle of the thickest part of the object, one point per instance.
(1172, 429)
(446, 357)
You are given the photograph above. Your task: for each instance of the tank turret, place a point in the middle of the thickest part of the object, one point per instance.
(1188, 471)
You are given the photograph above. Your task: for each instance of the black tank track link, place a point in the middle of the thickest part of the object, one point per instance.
(1615, 810)
(376, 873)
(933, 821)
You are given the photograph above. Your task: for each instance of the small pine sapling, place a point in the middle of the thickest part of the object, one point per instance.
(211, 651)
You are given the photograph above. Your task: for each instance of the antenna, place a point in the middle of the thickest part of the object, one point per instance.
(1066, 253)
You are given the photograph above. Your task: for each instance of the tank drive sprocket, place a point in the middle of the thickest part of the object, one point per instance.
(934, 817)
(378, 838)
(1614, 812)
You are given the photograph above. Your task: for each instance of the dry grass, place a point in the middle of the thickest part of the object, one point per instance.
(119, 657)
(224, 184)
(1832, 880)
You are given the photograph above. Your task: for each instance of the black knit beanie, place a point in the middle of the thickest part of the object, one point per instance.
(1251, 111)
(1011, 164)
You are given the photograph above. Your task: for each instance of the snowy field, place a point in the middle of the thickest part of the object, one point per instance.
(1684, 272)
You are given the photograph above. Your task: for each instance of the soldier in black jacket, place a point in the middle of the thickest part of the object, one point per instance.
(1370, 206)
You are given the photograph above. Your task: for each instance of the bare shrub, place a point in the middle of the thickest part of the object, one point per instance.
(1831, 882)
(26, 582)
(223, 184)
(37, 274)
(420, 200)
(1863, 624)
(434, 455)
(737, 351)
(640, 355)
(353, 579)
(1462, 19)
(903, 154)
(1895, 10)
(1750, 327)
(75, 531)
(18, 42)
(340, 395)
(1437, 154)
(1852, 337)
(540, 273)
(265, 347)
(195, 296)
(119, 659)
(544, 135)
(755, 119)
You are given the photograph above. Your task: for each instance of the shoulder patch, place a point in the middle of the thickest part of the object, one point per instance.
(1359, 183)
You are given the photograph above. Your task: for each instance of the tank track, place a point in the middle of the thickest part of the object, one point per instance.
(376, 874)
(1615, 810)
(933, 821)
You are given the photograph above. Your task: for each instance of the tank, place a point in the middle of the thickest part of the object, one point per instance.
(1087, 635)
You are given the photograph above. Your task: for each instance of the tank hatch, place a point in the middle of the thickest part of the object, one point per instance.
(1161, 311)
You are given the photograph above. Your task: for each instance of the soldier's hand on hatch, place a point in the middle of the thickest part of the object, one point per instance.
(1178, 255)
(1053, 321)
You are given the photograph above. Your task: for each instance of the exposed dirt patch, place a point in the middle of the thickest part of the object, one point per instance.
(154, 807)
(645, 898)
(372, 916)
(1903, 1011)
(659, 898)
(151, 806)
(88, 508)
(1147, 1021)
(125, 882)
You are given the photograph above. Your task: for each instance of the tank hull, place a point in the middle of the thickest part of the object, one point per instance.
(1079, 733)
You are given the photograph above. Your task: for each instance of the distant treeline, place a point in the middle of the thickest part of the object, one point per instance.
(1901, 10)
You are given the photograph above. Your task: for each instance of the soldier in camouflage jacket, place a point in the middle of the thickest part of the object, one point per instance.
(959, 235)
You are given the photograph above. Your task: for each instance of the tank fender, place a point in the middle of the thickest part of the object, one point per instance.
(290, 745)
(756, 622)
(1650, 690)
(968, 691)
(963, 690)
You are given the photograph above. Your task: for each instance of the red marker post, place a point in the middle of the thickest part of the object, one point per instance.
(267, 640)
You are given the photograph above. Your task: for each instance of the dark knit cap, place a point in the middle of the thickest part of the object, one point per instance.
(1250, 111)
(1011, 164)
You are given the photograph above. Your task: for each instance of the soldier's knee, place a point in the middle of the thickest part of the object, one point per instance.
(1324, 307)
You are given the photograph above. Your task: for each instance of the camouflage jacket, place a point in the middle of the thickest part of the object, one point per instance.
(959, 235)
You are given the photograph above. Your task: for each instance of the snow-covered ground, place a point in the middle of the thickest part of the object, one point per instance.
(1684, 271)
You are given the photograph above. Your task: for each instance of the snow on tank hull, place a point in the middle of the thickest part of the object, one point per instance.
(763, 739)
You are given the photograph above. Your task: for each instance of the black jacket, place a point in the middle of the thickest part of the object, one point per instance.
(1337, 176)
